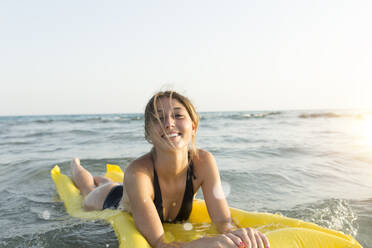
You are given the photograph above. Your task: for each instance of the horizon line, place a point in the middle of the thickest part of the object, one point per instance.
(207, 111)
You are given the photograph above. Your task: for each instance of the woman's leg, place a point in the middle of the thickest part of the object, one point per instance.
(94, 196)
(99, 180)
(82, 178)
(95, 199)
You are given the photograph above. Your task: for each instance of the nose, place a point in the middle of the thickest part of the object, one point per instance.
(169, 121)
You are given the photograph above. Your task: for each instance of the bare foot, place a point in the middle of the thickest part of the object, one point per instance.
(75, 164)
(76, 161)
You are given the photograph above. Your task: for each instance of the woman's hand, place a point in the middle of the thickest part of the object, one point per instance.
(241, 238)
(249, 238)
(168, 245)
(219, 241)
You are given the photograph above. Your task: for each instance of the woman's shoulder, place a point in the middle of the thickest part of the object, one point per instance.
(139, 175)
(203, 156)
(204, 160)
(141, 165)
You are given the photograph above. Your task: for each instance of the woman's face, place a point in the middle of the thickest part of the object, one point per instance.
(178, 127)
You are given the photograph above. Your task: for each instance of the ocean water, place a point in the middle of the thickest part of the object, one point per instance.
(311, 165)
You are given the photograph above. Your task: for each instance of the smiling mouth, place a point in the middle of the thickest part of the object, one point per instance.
(172, 135)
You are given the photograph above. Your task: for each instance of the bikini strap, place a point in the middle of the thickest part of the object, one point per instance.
(158, 201)
(191, 166)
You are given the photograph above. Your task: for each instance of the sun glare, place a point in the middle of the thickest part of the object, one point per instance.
(366, 129)
(361, 128)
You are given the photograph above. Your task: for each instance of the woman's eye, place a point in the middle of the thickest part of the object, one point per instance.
(179, 116)
(161, 118)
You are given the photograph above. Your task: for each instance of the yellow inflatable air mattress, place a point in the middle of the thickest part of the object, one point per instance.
(282, 232)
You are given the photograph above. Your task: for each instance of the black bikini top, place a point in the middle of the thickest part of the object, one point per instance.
(188, 196)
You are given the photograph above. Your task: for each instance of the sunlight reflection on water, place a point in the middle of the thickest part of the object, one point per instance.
(361, 129)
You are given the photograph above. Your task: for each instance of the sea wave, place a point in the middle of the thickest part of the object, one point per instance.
(16, 143)
(121, 119)
(336, 214)
(62, 233)
(47, 120)
(39, 134)
(82, 132)
(238, 115)
(332, 115)
(44, 121)
(260, 115)
(264, 151)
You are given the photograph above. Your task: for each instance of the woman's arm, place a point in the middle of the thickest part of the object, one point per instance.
(138, 186)
(214, 197)
(218, 209)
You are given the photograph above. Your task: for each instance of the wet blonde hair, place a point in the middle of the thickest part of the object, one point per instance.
(152, 116)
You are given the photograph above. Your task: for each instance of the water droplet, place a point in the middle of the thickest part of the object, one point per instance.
(230, 226)
(226, 188)
(222, 190)
(45, 215)
(187, 226)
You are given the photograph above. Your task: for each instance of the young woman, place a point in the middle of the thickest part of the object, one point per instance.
(160, 186)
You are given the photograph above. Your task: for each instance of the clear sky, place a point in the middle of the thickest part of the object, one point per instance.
(75, 56)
